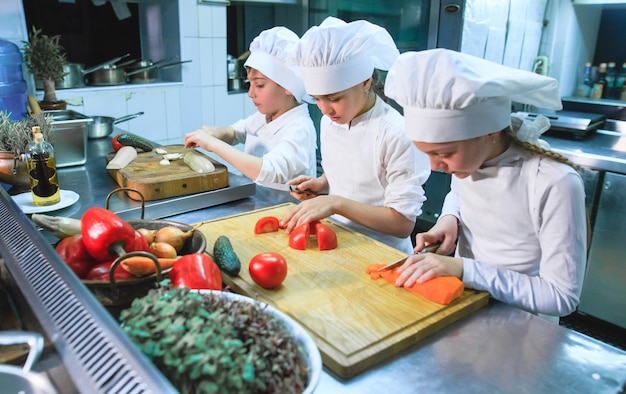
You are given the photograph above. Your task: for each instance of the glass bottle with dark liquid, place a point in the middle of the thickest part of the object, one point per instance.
(44, 183)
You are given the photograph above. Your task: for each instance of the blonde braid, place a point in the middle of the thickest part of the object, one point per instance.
(550, 154)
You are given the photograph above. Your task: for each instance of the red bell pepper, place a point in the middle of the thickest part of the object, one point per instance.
(196, 271)
(72, 250)
(326, 237)
(299, 237)
(105, 235)
(115, 144)
(101, 272)
(140, 244)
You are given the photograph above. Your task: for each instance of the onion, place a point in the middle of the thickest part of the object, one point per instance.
(173, 236)
(147, 234)
(163, 249)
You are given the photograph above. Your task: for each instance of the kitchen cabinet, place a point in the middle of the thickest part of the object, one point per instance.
(604, 289)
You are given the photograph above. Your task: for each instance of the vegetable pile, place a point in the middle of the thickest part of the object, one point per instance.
(91, 245)
(212, 344)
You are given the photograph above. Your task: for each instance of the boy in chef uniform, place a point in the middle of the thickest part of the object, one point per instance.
(372, 173)
(517, 208)
(280, 139)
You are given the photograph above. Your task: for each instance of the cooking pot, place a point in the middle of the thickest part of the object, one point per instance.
(102, 126)
(107, 73)
(146, 72)
(22, 380)
(73, 78)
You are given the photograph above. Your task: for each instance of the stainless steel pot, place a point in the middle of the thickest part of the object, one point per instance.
(107, 73)
(74, 78)
(22, 380)
(102, 126)
(148, 73)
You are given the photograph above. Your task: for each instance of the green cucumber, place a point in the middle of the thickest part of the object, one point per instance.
(130, 139)
(225, 256)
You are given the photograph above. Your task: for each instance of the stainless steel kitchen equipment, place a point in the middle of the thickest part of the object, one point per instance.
(569, 124)
(148, 73)
(23, 380)
(70, 137)
(102, 126)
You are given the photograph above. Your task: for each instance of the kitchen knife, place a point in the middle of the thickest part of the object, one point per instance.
(429, 249)
(286, 188)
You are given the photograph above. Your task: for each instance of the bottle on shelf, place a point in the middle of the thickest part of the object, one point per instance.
(599, 87)
(44, 184)
(610, 91)
(586, 83)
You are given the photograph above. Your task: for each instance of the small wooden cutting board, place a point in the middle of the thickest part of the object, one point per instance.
(156, 181)
(355, 321)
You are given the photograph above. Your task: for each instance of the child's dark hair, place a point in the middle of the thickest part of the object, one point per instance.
(378, 86)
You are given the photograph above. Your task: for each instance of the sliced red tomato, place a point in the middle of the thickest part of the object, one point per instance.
(267, 224)
(268, 269)
(299, 237)
(115, 144)
(326, 237)
(312, 228)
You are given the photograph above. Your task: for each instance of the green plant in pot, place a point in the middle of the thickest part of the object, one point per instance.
(15, 135)
(45, 58)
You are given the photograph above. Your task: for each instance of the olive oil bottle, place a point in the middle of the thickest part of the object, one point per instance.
(42, 171)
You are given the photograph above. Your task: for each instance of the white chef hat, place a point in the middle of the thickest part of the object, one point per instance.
(450, 96)
(336, 55)
(272, 52)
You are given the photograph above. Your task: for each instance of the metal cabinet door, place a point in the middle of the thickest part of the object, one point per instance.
(604, 288)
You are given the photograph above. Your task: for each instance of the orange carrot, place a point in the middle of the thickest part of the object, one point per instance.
(142, 266)
(442, 289)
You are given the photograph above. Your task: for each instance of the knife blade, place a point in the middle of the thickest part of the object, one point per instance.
(428, 249)
(286, 188)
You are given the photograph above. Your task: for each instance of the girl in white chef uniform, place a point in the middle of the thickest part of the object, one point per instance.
(517, 208)
(372, 173)
(280, 139)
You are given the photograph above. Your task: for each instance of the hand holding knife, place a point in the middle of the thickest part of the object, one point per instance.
(428, 249)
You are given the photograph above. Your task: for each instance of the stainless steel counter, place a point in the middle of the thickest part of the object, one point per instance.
(496, 349)
(601, 150)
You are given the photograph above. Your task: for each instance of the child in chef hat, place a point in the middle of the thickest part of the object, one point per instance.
(372, 174)
(517, 208)
(280, 138)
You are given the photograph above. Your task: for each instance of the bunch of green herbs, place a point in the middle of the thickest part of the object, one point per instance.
(15, 135)
(209, 343)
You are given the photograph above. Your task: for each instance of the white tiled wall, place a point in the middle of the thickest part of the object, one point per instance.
(170, 110)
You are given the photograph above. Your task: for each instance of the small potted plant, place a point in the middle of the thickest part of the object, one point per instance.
(45, 59)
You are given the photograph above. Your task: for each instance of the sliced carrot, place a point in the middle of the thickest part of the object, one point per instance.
(142, 266)
(442, 289)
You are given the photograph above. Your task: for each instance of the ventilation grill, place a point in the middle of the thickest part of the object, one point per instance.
(91, 358)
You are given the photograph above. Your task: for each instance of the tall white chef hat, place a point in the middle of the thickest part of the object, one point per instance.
(272, 53)
(450, 96)
(336, 55)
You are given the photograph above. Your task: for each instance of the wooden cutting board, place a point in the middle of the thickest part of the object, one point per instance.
(156, 181)
(356, 322)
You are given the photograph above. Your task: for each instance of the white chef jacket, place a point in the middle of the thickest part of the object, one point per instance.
(287, 146)
(522, 231)
(373, 162)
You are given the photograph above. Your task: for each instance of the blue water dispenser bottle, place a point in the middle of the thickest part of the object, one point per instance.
(12, 83)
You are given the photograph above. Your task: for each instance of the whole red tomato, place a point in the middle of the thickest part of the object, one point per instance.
(268, 269)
